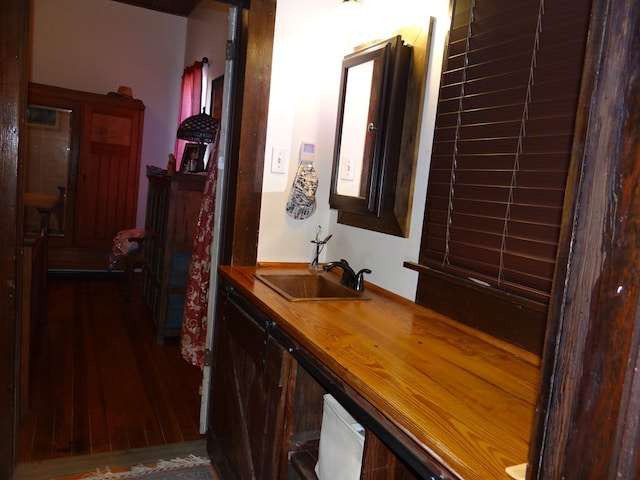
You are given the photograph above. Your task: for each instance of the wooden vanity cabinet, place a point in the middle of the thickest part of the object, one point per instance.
(302, 436)
(249, 391)
(385, 455)
(267, 404)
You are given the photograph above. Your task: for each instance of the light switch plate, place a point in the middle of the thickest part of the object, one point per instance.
(279, 160)
(348, 164)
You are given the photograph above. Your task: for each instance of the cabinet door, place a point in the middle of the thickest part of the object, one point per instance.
(248, 394)
(108, 173)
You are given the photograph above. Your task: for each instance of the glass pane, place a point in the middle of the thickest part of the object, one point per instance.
(47, 166)
(354, 128)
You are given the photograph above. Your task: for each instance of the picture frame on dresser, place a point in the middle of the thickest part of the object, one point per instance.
(193, 158)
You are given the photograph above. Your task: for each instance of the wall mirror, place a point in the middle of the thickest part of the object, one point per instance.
(51, 160)
(379, 111)
(360, 119)
(47, 166)
(369, 125)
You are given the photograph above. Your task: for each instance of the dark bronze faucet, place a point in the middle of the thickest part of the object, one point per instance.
(350, 278)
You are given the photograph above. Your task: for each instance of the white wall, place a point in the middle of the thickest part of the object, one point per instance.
(305, 79)
(310, 41)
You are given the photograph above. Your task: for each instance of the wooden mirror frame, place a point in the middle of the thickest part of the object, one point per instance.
(368, 199)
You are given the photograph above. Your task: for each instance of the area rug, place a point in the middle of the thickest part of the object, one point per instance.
(188, 468)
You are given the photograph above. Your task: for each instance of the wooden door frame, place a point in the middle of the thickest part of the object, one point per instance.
(588, 413)
(248, 134)
(14, 54)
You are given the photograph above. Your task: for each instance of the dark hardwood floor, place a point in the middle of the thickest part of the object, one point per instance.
(99, 382)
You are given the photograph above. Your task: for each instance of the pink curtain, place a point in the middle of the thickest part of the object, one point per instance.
(194, 322)
(190, 100)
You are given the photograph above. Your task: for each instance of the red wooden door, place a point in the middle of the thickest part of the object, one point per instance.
(108, 173)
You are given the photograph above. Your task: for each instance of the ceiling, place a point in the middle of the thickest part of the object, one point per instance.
(174, 7)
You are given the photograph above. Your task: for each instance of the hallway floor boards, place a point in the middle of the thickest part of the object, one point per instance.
(99, 382)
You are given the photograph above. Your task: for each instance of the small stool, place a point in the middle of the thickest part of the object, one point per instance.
(127, 245)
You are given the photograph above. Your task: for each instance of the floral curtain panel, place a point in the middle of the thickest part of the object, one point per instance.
(194, 322)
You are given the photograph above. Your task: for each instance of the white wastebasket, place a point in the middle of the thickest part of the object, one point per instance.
(341, 443)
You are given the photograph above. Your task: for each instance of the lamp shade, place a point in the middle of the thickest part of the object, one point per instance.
(201, 128)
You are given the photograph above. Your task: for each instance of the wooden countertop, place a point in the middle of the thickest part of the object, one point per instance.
(465, 398)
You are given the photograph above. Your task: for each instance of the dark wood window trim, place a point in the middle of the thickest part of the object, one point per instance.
(500, 160)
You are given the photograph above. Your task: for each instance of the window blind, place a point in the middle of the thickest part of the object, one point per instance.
(502, 142)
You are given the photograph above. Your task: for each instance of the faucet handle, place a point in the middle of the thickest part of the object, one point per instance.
(360, 279)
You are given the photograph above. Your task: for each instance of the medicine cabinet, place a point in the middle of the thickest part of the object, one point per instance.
(369, 130)
(379, 120)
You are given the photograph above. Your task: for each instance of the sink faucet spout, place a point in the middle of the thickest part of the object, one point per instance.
(350, 278)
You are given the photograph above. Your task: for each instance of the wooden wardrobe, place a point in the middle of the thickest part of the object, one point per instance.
(99, 195)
